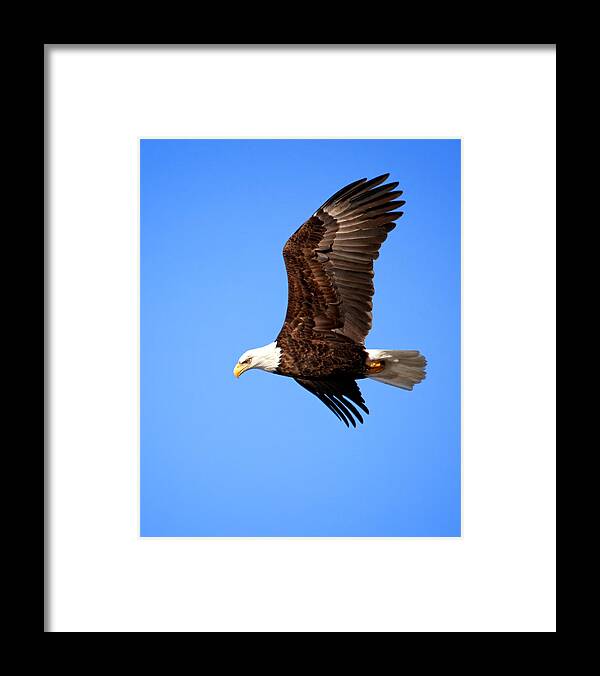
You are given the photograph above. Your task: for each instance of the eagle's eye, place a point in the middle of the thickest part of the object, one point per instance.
(247, 361)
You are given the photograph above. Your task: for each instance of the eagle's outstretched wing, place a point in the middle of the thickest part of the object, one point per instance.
(339, 395)
(329, 261)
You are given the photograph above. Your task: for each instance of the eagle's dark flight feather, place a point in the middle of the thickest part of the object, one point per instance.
(338, 394)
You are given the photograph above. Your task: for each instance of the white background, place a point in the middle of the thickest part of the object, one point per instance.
(501, 575)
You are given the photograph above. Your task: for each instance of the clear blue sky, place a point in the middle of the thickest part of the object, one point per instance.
(260, 456)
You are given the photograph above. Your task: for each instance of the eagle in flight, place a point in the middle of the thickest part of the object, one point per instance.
(329, 263)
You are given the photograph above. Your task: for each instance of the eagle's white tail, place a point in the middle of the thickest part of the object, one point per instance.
(400, 368)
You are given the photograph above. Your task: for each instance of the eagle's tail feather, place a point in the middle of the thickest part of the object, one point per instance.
(400, 368)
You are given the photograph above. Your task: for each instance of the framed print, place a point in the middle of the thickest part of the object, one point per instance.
(180, 497)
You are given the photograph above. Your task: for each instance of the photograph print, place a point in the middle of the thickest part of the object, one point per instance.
(335, 265)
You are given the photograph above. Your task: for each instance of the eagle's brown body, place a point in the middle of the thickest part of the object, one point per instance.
(329, 263)
(321, 358)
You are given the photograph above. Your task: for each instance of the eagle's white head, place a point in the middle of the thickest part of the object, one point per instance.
(265, 358)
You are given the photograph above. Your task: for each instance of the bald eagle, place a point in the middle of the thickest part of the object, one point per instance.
(329, 263)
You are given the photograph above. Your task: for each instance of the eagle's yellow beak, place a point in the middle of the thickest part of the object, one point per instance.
(239, 369)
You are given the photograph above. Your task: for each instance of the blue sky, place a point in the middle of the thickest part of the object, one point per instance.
(260, 456)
